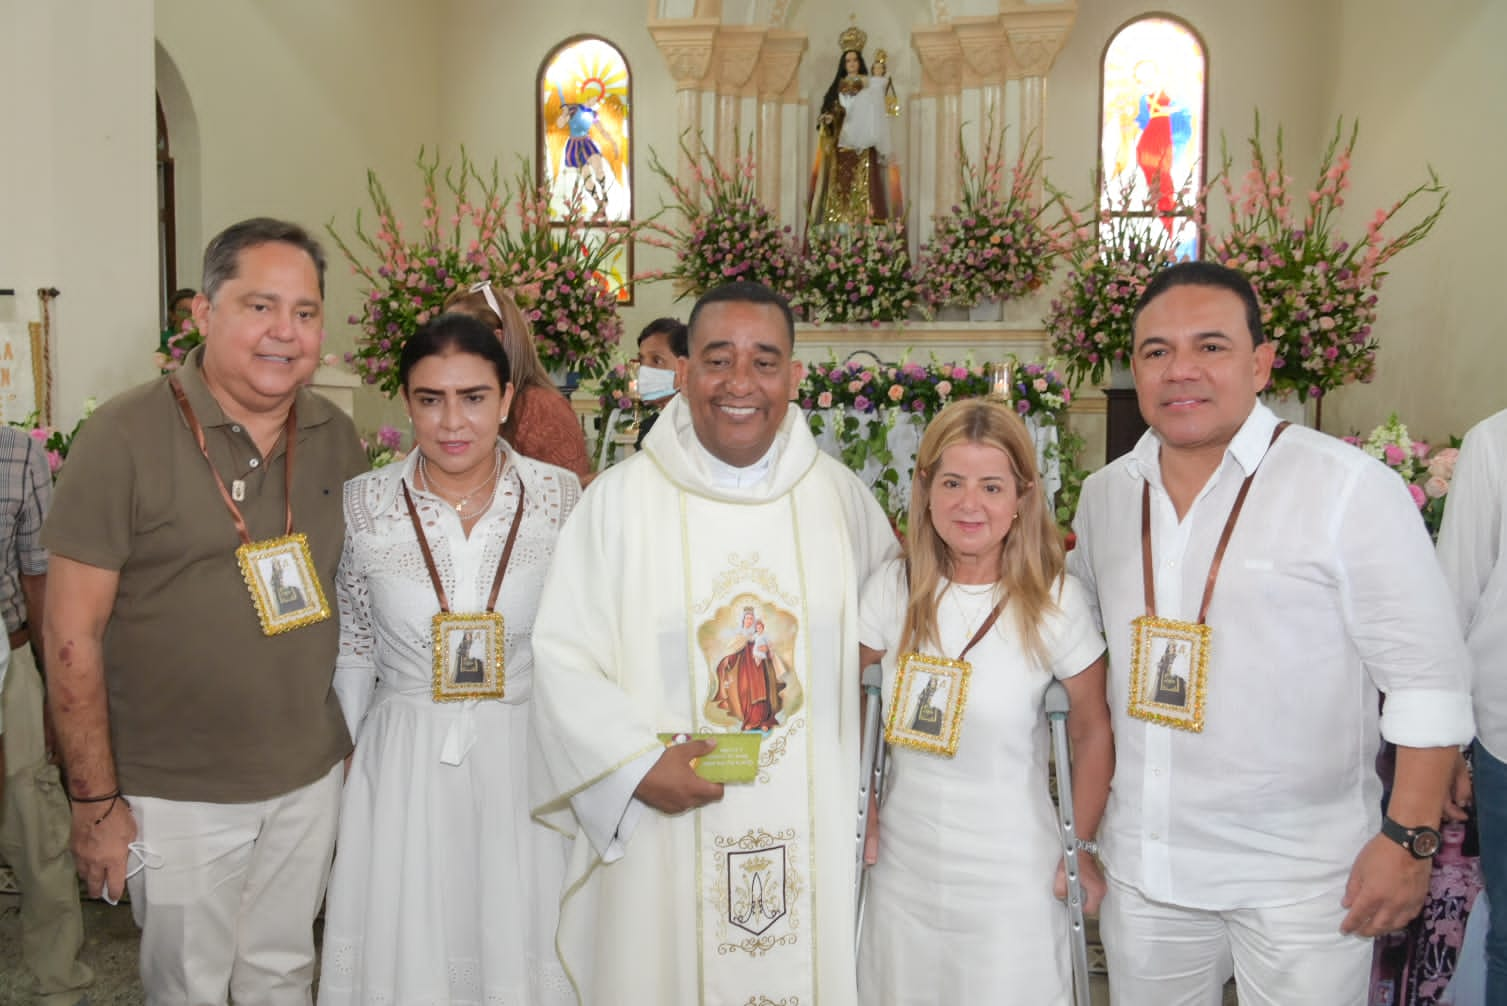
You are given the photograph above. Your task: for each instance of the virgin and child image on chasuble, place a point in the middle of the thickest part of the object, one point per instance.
(749, 645)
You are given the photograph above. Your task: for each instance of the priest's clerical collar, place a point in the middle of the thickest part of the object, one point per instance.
(726, 476)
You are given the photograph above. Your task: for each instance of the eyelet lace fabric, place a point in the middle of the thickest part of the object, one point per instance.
(444, 890)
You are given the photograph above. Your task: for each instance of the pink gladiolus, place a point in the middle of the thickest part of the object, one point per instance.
(54, 461)
(1419, 496)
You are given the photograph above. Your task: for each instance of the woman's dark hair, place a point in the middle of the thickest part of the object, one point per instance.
(830, 98)
(453, 332)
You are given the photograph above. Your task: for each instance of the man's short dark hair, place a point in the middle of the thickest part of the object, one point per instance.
(187, 293)
(674, 330)
(222, 257)
(1206, 274)
(744, 293)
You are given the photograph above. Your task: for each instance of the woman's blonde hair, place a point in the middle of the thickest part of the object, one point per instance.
(495, 307)
(1032, 561)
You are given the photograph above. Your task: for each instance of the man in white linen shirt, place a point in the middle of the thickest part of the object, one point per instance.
(1242, 831)
(1473, 552)
(680, 890)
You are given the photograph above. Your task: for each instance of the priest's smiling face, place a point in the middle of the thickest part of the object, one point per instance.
(740, 379)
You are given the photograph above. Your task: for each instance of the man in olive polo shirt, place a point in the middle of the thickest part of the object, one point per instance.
(203, 755)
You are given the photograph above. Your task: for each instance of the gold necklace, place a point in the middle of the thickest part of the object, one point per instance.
(464, 501)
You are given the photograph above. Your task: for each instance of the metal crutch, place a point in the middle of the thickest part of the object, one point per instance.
(870, 780)
(1057, 706)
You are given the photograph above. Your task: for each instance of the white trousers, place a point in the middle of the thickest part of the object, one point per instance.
(227, 904)
(1291, 955)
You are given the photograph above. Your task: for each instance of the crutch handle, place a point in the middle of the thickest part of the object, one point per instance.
(1057, 702)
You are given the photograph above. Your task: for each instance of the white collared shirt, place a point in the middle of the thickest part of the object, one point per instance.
(1473, 552)
(1328, 592)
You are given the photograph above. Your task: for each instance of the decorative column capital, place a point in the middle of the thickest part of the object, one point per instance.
(985, 53)
(941, 57)
(735, 55)
(687, 49)
(1036, 33)
(778, 62)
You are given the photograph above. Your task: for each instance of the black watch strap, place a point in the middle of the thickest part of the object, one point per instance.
(1421, 842)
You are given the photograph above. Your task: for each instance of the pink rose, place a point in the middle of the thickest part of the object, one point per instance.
(853, 387)
(958, 373)
(1442, 463)
(54, 461)
(896, 392)
(1419, 498)
(1395, 455)
(944, 388)
(824, 400)
(1040, 384)
(1435, 487)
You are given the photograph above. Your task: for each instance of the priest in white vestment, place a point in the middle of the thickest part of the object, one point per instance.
(710, 584)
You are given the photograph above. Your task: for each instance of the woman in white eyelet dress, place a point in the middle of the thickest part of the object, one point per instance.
(444, 890)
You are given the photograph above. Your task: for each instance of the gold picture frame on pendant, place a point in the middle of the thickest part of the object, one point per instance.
(286, 591)
(927, 711)
(468, 656)
(1169, 672)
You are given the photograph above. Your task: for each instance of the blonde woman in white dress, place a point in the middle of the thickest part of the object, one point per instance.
(444, 890)
(963, 903)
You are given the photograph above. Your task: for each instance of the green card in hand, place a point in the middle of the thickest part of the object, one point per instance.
(735, 759)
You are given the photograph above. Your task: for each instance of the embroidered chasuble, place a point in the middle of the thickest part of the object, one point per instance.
(676, 606)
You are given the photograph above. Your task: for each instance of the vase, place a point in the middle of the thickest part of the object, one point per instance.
(990, 309)
(1288, 407)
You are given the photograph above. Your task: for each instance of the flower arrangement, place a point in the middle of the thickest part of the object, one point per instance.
(1089, 325)
(178, 346)
(385, 448)
(615, 393)
(559, 276)
(1318, 291)
(995, 244)
(55, 442)
(556, 272)
(1427, 470)
(860, 274)
(412, 279)
(870, 399)
(727, 233)
(1038, 390)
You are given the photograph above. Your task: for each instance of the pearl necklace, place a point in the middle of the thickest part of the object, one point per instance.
(461, 504)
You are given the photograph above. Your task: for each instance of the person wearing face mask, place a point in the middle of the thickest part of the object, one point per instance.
(662, 355)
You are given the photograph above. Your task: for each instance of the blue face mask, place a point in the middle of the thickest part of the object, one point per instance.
(655, 384)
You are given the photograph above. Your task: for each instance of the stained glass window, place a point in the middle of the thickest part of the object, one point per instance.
(585, 141)
(1152, 132)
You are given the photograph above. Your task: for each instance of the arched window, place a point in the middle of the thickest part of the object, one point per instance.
(1154, 96)
(585, 150)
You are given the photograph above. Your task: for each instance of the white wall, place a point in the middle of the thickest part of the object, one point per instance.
(291, 103)
(1429, 85)
(77, 202)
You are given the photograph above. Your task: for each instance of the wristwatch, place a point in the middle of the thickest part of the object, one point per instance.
(1421, 842)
